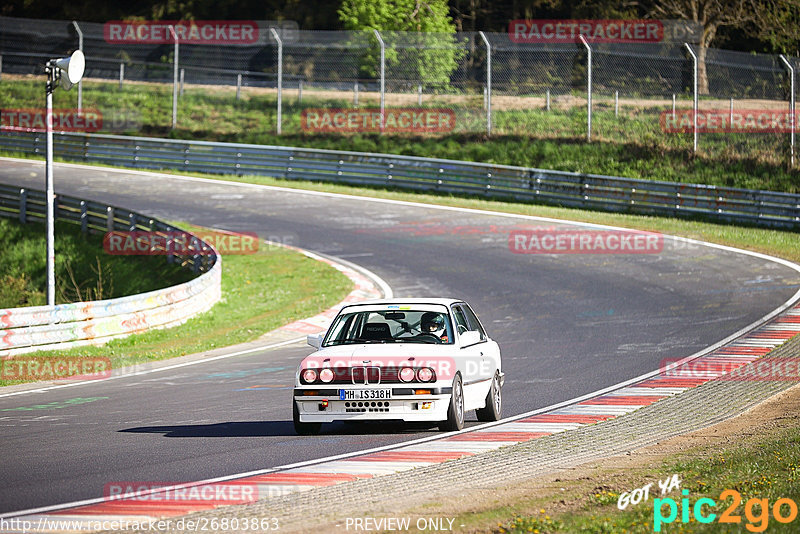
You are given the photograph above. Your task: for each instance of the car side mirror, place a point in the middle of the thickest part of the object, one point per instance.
(470, 337)
(315, 340)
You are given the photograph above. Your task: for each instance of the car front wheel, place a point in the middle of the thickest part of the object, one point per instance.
(455, 412)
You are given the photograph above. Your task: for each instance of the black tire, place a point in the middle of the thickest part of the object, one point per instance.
(493, 410)
(455, 412)
(304, 429)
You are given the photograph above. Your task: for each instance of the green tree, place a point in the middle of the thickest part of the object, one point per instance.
(420, 37)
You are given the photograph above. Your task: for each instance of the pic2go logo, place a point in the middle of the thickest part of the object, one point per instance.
(756, 511)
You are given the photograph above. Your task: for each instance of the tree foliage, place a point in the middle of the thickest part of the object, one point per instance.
(430, 56)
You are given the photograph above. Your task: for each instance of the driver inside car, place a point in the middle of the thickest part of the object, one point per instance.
(432, 323)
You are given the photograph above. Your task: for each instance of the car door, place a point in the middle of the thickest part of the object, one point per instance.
(471, 359)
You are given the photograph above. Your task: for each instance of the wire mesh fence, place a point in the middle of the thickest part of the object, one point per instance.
(325, 82)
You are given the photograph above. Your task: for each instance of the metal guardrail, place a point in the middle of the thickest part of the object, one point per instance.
(588, 191)
(44, 327)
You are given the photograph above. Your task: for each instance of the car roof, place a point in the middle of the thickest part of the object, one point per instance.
(441, 301)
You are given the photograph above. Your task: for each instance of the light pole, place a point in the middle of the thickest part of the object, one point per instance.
(66, 71)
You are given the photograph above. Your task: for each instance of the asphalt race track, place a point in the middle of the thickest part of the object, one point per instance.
(567, 324)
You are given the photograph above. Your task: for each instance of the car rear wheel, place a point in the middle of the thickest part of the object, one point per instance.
(494, 402)
(304, 429)
(455, 412)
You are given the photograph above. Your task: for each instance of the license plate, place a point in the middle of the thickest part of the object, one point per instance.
(365, 394)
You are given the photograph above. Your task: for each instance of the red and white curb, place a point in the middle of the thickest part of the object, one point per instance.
(152, 507)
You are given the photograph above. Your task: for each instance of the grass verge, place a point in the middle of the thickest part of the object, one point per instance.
(261, 292)
(82, 270)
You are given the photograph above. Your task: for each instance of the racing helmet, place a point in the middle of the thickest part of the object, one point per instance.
(432, 323)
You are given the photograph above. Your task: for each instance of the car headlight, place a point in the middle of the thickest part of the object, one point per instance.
(309, 375)
(326, 375)
(425, 374)
(406, 374)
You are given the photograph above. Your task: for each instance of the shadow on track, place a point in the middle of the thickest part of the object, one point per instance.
(249, 429)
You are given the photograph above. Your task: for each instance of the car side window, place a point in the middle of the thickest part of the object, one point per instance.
(474, 323)
(461, 320)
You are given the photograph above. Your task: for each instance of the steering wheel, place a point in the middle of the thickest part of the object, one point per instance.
(426, 335)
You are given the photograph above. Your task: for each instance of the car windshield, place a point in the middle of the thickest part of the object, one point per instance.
(390, 326)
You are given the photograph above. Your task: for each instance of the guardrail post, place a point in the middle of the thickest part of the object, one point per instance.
(132, 222)
(121, 74)
(694, 93)
(383, 76)
(80, 82)
(23, 206)
(84, 217)
(110, 219)
(792, 110)
(174, 78)
(280, 77)
(488, 83)
(588, 88)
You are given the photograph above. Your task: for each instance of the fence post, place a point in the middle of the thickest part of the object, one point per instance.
(182, 77)
(419, 94)
(730, 117)
(548, 100)
(80, 82)
(588, 88)
(299, 91)
(488, 83)
(355, 93)
(280, 78)
(694, 93)
(238, 86)
(616, 103)
(1, 66)
(792, 116)
(673, 106)
(383, 76)
(174, 78)
(121, 74)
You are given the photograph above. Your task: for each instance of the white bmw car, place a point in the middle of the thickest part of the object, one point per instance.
(402, 360)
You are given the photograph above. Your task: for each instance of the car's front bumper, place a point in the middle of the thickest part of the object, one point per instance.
(324, 405)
